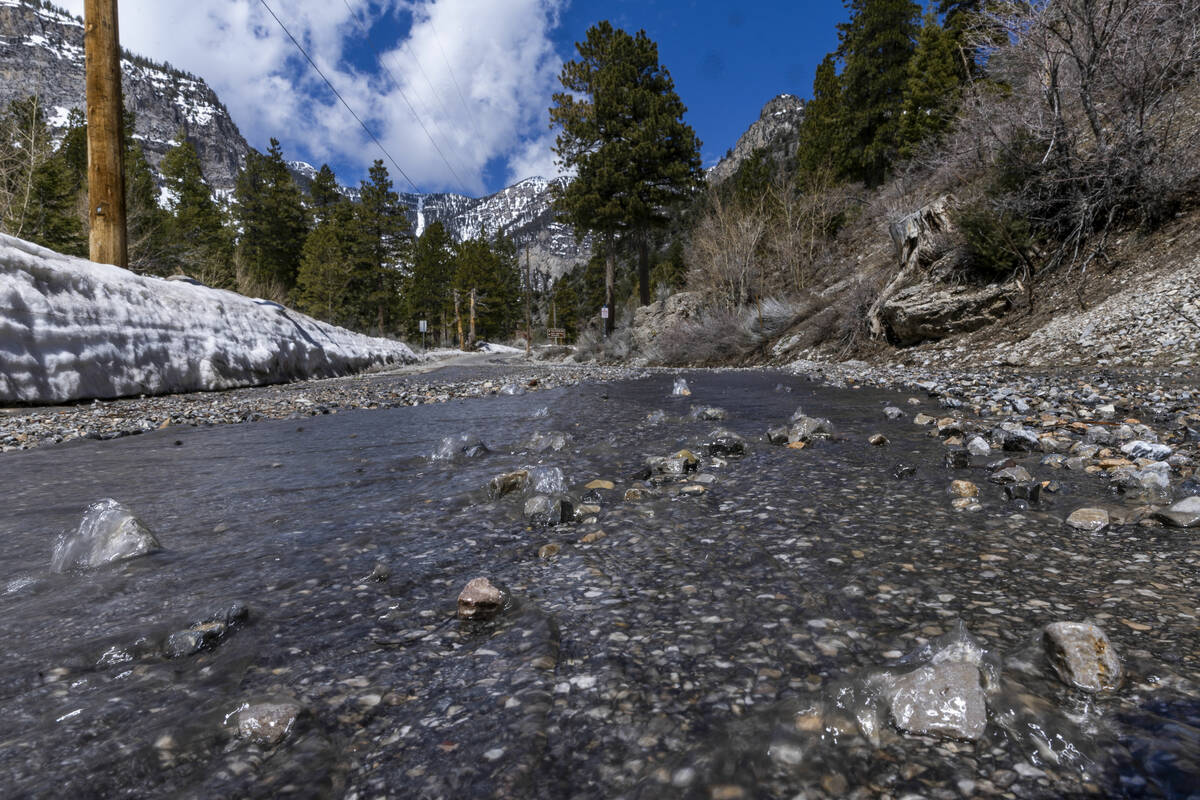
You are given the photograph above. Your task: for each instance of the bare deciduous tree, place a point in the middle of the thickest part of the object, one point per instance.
(1089, 112)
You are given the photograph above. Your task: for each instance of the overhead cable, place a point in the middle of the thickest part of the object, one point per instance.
(367, 36)
(338, 94)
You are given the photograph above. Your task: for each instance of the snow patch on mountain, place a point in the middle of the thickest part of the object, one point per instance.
(72, 329)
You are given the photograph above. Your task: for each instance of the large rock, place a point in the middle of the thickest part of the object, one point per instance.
(108, 532)
(1081, 655)
(547, 511)
(932, 310)
(652, 321)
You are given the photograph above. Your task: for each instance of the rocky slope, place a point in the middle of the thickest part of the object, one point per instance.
(774, 133)
(41, 52)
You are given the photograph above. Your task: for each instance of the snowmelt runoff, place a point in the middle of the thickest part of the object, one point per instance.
(71, 329)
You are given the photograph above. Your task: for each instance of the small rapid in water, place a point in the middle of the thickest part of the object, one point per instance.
(737, 621)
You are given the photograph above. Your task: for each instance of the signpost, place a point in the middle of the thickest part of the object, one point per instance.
(556, 335)
(604, 316)
(424, 326)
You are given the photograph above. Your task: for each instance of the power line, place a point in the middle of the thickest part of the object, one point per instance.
(400, 89)
(450, 69)
(338, 94)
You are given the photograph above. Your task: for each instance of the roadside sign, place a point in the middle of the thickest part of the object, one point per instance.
(603, 312)
(424, 326)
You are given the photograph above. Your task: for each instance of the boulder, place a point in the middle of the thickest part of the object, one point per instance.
(652, 321)
(933, 310)
(1081, 655)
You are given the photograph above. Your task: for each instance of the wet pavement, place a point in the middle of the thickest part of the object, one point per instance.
(722, 636)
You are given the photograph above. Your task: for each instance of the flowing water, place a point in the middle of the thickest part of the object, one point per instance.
(722, 645)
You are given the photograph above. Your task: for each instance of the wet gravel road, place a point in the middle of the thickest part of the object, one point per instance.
(709, 638)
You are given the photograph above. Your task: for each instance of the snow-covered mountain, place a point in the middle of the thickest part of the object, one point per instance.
(41, 52)
(522, 210)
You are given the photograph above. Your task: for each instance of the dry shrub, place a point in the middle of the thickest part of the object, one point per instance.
(719, 335)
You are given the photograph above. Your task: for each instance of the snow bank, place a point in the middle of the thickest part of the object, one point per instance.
(71, 329)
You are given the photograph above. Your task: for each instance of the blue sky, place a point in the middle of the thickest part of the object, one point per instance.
(458, 90)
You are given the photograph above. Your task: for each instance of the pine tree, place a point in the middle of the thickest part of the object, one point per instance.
(875, 48)
(273, 224)
(332, 259)
(199, 239)
(324, 191)
(427, 290)
(622, 132)
(384, 227)
(147, 224)
(931, 91)
(493, 277)
(821, 132)
(51, 219)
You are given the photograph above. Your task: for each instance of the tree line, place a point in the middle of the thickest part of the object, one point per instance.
(354, 263)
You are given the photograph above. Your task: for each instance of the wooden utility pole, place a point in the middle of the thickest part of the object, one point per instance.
(106, 156)
(462, 345)
(472, 339)
(528, 304)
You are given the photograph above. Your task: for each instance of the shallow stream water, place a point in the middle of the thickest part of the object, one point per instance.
(711, 646)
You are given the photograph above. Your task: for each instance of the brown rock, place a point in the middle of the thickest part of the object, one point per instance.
(479, 599)
(964, 489)
(600, 484)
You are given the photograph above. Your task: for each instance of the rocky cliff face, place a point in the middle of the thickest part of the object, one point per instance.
(523, 211)
(774, 132)
(41, 52)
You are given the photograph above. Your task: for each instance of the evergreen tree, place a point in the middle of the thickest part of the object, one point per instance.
(148, 225)
(931, 91)
(821, 129)
(384, 228)
(199, 240)
(51, 219)
(622, 132)
(324, 191)
(332, 259)
(273, 224)
(671, 269)
(875, 48)
(494, 279)
(427, 290)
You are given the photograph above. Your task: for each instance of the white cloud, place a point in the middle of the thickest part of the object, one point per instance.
(499, 54)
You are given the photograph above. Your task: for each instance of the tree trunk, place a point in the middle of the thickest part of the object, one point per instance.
(472, 339)
(609, 276)
(644, 268)
(462, 345)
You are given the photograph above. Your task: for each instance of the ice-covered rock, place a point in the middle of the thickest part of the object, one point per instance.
(1184, 514)
(944, 699)
(108, 532)
(681, 388)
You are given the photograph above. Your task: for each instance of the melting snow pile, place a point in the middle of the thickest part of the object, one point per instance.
(71, 329)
